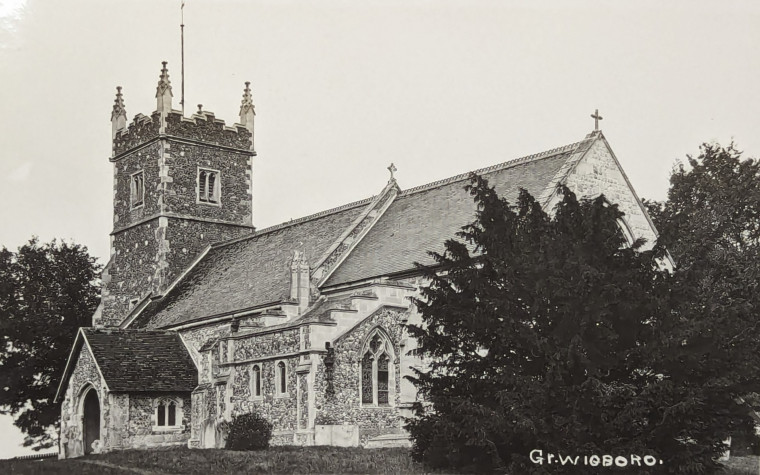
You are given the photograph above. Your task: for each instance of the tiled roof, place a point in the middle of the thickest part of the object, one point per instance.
(248, 272)
(421, 219)
(144, 361)
(254, 271)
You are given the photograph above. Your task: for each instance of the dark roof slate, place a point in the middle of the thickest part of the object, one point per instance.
(248, 272)
(254, 271)
(142, 361)
(422, 219)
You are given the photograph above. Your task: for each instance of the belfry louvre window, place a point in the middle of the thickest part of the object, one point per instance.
(209, 186)
(137, 189)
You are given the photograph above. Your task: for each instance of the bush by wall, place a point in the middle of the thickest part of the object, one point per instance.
(249, 432)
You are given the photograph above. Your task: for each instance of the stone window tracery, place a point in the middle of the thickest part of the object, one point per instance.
(167, 414)
(376, 370)
(209, 186)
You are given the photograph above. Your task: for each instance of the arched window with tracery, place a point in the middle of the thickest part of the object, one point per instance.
(376, 369)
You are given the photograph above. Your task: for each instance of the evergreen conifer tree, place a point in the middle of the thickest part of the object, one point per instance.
(554, 333)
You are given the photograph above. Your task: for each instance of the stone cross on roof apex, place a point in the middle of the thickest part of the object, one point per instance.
(392, 168)
(596, 118)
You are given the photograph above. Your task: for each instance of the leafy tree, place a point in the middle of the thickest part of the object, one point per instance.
(552, 333)
(713, 204)
(711, 224)
(47, 291)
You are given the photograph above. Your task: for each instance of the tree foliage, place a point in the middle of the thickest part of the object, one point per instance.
(713, 205)
(47, 291)
(552, 333)
(711, 224)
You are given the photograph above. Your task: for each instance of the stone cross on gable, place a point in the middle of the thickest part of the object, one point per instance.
(596, 118)
(392, 168)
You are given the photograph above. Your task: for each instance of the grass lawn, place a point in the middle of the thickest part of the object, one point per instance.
(182, 460)
(747, 465)
(295, 460)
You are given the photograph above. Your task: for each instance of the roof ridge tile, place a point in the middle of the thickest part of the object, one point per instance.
(492, 168)
(293, 222)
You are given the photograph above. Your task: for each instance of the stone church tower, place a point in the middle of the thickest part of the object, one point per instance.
(179, 184)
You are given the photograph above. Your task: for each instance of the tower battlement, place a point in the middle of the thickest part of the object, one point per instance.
(165, 122)
(201, 126)
(180, 184)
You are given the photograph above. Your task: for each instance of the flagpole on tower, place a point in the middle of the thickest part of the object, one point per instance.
(182, 40)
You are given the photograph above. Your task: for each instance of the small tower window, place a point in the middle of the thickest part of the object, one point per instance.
(137, 189)
(209, 186)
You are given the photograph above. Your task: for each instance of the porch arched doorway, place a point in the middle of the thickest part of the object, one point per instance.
(90, 420)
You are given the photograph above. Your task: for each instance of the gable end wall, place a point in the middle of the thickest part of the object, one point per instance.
(85, 372)
(596, 173)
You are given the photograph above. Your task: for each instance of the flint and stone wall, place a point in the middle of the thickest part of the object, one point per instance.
(126, 420)
(142, 430)
(344, 406)
(153, 243)
(85, 374)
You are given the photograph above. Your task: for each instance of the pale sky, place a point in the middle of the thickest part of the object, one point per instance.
(344, 88)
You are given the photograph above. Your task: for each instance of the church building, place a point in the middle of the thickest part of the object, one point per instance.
(204, 317)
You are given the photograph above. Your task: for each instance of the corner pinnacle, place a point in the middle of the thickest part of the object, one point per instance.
(118, 105)
(163, 81)
(247, 103)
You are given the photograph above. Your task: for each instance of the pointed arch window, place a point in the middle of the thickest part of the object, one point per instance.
(376, 370)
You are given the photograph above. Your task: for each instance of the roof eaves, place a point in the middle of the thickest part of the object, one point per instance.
(221, 316)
